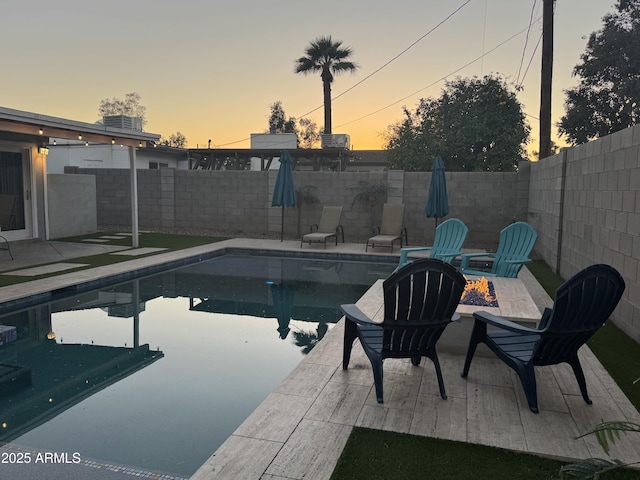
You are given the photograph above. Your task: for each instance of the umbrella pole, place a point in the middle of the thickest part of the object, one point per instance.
(282, 225)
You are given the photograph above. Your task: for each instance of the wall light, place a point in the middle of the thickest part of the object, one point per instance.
(79, 137)
(86, 144)
(43, 150)
(40, 131)
(113, 141)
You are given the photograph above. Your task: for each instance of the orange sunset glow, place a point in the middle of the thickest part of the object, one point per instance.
(211, 69)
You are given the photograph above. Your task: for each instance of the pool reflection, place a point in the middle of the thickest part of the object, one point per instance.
(84, 369)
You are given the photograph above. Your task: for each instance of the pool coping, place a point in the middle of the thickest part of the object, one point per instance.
(27, 294)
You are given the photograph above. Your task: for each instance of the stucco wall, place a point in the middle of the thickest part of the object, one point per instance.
(72, 205)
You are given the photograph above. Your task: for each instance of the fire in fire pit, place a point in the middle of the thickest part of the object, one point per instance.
(480, 293)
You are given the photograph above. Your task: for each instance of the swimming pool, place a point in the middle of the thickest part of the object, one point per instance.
(156, 373)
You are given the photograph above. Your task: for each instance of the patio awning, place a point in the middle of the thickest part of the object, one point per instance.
(41, 128)
(44, 126)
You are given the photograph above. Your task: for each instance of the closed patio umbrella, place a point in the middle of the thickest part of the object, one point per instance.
(284, 193)
(282, 296)
(437, 203)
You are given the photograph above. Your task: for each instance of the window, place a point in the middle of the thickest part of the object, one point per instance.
(157, 165)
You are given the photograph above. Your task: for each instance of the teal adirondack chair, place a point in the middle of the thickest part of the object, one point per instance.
(447, 245)
(516, 243)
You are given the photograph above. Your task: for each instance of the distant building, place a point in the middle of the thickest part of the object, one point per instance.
(276, 141)
(71, 153)
(279, 141)
(81, 154)
(367, 161)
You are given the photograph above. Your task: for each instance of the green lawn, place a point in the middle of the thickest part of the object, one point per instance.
(155, 240)
(375, 454)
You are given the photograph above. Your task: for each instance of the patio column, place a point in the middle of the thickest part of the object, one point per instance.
(134, 198)
(136, 313)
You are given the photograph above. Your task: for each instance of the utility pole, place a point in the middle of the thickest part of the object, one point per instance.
(545, 83)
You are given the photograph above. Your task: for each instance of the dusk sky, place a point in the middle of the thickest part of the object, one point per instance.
(212, 69)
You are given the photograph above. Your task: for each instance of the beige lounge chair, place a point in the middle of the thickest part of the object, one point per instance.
(328, 227)
(390, 228)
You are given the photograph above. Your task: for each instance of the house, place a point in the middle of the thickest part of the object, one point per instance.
(35, 203)
(64, 154)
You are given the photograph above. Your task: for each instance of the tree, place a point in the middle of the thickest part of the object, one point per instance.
(176, 140)
(477, 124)
(327, 57)
(306, 129)
(278, 122)
(130, 106)
(607, 99)
(308, 133)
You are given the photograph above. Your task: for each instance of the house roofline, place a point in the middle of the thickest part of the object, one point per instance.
(46, 126)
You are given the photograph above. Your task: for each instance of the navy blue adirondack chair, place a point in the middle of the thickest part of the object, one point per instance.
(516, 243)
(447, 244)
(420, 300)
(582, 305)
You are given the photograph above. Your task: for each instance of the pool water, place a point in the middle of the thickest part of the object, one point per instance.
(156, 373)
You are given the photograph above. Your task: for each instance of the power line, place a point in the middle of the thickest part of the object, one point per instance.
(406, 49)
(442, 22)
(233, 143)
(437, 81)
(524, 75)
(422, 89)
(526, 40)
(426, 87)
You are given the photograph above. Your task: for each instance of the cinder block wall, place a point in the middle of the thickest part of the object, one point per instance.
(545, 205)
(240, 201)
(599, 221)
(341, 189)
(234, 201)
(113, 194)
(72, 205)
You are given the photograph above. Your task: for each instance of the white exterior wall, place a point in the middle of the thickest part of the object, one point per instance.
(103, 156)
(274, 140)
(281, 141)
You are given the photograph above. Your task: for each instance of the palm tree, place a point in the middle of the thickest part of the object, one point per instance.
(327, 57)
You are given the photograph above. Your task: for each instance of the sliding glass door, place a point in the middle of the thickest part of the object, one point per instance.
(15, 205)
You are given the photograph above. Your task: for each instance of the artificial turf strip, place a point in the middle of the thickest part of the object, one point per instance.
(620, 356)
(380, 455)
(150, 239)
(545, 276)
(618, 353)
(154, 240)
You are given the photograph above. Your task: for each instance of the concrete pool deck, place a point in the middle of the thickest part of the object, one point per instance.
(300, 429)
